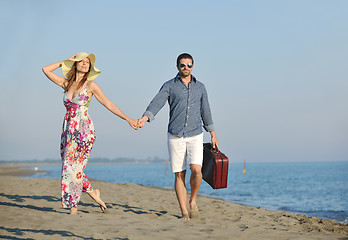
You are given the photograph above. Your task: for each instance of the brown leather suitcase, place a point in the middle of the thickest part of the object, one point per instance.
(215, 167)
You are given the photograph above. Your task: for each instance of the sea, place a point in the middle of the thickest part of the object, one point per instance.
(310, 188)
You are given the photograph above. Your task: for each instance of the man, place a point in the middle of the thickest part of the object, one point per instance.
(189, 110)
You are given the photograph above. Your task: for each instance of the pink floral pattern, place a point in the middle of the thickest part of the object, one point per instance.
(77, 141)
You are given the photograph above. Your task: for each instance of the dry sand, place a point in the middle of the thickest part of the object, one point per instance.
(30, 209)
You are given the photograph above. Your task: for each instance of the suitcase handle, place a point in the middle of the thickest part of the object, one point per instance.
(216, 150)
(210, 146)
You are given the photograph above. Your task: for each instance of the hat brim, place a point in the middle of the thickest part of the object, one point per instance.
(68, 64)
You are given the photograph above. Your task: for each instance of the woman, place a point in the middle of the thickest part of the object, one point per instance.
(78, 133)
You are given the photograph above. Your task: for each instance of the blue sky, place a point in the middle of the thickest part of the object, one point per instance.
(276, 74)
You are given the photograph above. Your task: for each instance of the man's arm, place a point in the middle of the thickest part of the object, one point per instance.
(206, 113)
(207, 119)
(155, 105)
(214, 140)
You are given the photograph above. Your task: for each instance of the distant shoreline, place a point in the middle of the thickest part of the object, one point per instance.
(90, 161)
(26, 168)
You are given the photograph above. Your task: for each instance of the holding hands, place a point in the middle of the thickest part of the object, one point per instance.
(136, 124)
(142, 121)
(133, 123)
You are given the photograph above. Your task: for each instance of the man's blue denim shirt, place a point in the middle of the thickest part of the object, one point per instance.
(189, 106)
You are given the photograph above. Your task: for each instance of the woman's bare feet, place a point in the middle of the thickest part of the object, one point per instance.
(95, 195)
(73, 210)
(100, 202)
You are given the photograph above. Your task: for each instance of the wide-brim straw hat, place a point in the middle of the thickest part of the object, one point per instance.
(68, 64)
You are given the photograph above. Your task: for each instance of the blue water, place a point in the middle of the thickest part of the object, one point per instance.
(313, 189)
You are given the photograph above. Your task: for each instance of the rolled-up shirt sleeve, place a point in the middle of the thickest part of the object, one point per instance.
(206, 113)
(157, 102)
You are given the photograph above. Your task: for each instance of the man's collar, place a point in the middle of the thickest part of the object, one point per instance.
(193, 78)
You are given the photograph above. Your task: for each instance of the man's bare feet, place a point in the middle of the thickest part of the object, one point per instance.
(185, 217)
(194, 213)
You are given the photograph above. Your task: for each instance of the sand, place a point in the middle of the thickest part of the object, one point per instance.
(30, 208)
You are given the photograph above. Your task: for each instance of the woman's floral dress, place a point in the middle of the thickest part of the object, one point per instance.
(77, 140)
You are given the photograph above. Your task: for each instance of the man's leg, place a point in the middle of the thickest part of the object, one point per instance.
(177, 152)
(180, 190)
(195, 182)
(195, 159)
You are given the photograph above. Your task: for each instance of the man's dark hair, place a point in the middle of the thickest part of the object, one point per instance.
(182, 56)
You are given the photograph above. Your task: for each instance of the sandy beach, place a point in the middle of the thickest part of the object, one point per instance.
(31, 209)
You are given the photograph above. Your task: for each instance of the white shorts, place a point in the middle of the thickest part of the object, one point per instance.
(185, 150)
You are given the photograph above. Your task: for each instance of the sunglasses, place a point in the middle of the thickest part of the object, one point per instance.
(182, 65)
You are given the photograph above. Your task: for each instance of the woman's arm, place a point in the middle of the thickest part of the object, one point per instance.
(48, 71)
(99, 95)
